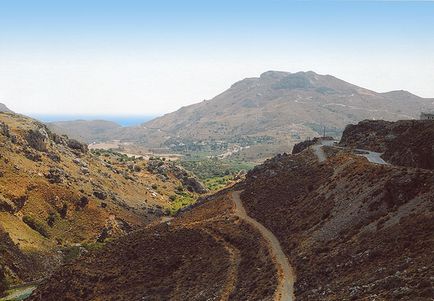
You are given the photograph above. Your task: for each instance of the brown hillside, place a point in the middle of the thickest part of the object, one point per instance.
(281, 104)
(55, 194)
(206, 254)
(352, 230)
(405, 142)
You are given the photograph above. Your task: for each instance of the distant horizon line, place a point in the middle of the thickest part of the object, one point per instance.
(91, 114)
(121, 119)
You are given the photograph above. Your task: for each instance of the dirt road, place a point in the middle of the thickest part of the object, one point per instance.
(285, 290)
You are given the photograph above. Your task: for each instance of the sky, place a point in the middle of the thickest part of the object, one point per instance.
(152, 57)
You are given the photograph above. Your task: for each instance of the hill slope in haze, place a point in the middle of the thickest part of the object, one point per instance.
(259, 117)
(352, 230)
(279, 102)
(87, 131)
(269, 114)
(4, 108)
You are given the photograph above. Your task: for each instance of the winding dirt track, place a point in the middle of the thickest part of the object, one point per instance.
(285, 291)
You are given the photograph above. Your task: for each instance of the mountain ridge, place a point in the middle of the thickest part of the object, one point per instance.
(288, 107)
(268, 114)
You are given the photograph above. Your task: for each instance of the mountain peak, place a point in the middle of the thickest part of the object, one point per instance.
(274, 74)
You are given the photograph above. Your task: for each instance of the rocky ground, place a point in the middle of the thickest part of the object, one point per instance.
(353, 230)
(405, 142)
(204, 254)
(56, 195)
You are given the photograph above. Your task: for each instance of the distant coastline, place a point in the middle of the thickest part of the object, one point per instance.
(123, 120)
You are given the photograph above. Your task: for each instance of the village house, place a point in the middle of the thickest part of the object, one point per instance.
(427, 116)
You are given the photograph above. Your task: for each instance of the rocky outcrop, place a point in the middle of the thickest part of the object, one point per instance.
(163, 168)
(405, 142)
(37, 139)
(301, 146)
(7, 205)
(15, 266)
(76, 145)
(55, 175)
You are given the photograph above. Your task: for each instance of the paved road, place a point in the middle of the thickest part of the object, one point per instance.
(285, 290)
(372, 157)
(20, 293)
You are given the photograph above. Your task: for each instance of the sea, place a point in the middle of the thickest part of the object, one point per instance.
(123, 120)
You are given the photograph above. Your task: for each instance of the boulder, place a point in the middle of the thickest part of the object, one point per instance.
(36, 140)
(100, 194)
(76, 145)
(55, 175)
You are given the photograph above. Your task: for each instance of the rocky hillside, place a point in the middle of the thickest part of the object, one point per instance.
(4, 108)
(15, 266)
(405, 142)
(87, 131)
(205, 254)
(55, 194)
(352, 230)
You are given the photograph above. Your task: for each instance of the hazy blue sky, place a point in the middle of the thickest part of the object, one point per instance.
(147, 57)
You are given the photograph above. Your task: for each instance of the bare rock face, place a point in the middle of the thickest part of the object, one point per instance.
(55, 175)
(76, 145)
(100, 194)
(14, 264)
(7, 205)
(162, 168)
(299, 147)
(4, 129)
(37, 140)
(405, 142)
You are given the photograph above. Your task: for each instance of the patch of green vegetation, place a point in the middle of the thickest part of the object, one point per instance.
(120, 156)
(217, 183)
(180, 201)
(209, 168)
(96, 245)
(73, 252)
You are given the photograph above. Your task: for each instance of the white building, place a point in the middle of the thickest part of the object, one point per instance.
(427, 116)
